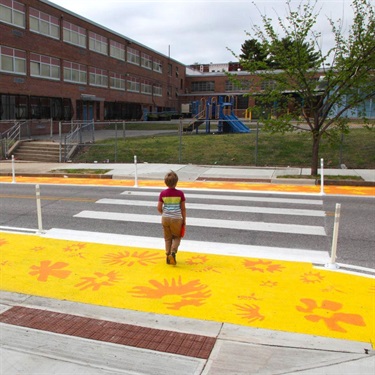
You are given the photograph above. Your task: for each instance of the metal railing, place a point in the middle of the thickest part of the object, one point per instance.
(9, 138)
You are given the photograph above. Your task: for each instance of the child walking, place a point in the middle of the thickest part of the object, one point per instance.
(171, 205)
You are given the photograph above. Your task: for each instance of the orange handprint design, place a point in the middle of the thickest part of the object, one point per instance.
(329, 314)
(250, 312)
(192, 293)
(46, 269)
(127, 258)
(261, 265)
(3, 241)
(99, 280)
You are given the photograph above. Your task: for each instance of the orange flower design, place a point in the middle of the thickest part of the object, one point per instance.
(99, 280)
(47, 269)
(3, 241)
(126, 258)
(329, 314)
(269, 284)
(199, 262)
(250, 312)
(192, 293)
(311, 278)
(75, 250)
(263, 266)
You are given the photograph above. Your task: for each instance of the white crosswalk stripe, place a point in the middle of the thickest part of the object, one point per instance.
(227, 212)
(220, 207)
(209, 223)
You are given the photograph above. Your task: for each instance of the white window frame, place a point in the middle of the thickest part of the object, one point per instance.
(74, 34)
(117, 50)
(44, 67)
(98, 77)
(117, 81)
(133, 56)
(13, 13)
(146, 61)
(157, 66)
(16, 58)
(44, 24)
(146, 87)
(73, 70)
(133, 84)
(98, 43)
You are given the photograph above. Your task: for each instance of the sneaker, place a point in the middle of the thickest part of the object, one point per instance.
(168, 259)
(172, 258)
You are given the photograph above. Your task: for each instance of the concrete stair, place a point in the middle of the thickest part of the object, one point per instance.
(43, 151)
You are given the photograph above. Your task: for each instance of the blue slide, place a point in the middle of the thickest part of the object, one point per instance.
(234, 125)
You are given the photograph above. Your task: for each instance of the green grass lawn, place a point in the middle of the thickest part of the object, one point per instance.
(357, 149)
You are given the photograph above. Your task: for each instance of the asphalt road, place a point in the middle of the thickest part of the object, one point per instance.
(270, 220)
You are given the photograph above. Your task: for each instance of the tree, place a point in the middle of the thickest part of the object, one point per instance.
(252, 50)
(314, 94)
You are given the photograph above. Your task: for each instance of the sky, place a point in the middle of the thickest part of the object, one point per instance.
(199, 31)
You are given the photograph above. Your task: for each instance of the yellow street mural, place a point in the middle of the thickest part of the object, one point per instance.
(270, 294)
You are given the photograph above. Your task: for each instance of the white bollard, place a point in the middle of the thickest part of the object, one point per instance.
(13, 171)
(38, 209)
(135, 172)
(322, 177)
(332, 264)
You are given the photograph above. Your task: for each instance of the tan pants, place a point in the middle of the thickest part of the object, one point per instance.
(172, 231)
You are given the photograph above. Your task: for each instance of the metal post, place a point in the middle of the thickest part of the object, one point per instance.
(60, 137)
(322, 177)
(123, 129)
(116, 142)
(13, 171)
(135, 170)
(332, 264)
(180, 144)
(256, 144)
(39, 209)
(51, 131)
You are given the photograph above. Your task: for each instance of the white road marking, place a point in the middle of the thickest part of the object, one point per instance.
(219, 207)
(209, 223)
(233, 197)
(218, 248)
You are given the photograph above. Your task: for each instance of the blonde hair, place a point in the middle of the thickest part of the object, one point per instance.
(171, 179)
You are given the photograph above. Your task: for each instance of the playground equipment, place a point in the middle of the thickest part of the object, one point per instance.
(205, 110)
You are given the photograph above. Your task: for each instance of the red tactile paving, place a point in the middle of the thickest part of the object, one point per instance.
(118, 333)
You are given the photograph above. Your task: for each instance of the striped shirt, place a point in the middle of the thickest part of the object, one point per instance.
(172, 199)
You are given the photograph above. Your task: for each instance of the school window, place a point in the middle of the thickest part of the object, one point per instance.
(12, 12)
(133, 56)
(98, 77)
(157, 66)
(146, 61)
(44, 24)
(237, 86)
(12, 60)
(203, 86)
(74, 34)
(75, 73)
(117, 50)
(157, 90)
(117, 81)
(133, 84)
(98, 43)
(146, 88)
(44, 66)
